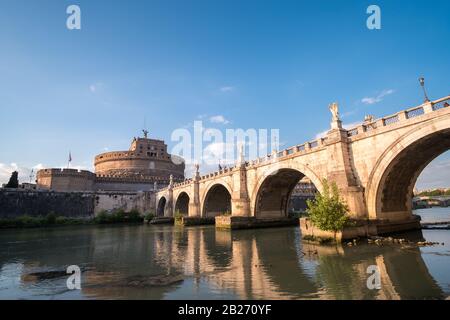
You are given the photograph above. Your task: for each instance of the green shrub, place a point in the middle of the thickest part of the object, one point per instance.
(102, 217)
(118, 216)
(134, 216)
(327, 211)
(50, 218)
(149, 216)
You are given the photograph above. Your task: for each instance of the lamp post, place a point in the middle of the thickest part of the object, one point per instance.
(422, 84)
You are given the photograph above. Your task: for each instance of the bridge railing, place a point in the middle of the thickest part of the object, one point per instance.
(400, 116)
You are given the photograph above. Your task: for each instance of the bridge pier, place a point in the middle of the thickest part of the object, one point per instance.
(360, 229)
(341, 170)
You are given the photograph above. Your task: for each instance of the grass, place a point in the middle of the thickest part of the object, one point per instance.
(52, 219)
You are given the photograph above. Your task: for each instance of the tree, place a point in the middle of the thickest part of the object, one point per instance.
(328, 211)
(13, 181)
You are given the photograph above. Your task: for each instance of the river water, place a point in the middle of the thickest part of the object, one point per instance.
(166, 262)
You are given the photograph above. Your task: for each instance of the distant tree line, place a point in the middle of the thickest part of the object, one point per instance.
(436, 192)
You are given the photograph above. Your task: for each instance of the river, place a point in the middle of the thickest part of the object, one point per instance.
(166, 262)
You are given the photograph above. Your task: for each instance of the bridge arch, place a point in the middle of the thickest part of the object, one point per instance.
(182, 203)
(274, 188)
(216, 200)
(391, 182)
(161, 207)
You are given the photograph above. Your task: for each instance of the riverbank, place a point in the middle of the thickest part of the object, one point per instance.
(52, 219)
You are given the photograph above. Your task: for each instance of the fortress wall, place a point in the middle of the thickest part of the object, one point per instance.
(123, 186)
(144, 202)
(19, 202)
(65, 180)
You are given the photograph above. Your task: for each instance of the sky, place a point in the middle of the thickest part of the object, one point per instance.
(232, 64)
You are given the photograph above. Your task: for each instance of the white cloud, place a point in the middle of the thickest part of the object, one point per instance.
(219, 119)
(227, 89)
(377, 98)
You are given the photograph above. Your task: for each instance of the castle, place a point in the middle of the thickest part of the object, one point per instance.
(146, 166)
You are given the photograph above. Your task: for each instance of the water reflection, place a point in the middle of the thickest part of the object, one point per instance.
(163, 262)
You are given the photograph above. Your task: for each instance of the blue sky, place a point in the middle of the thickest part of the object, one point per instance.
(258, 64)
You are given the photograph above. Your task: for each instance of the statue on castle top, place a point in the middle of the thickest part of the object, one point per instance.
(145, 133)
(334, 111)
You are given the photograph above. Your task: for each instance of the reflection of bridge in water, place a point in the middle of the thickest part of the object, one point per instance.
(268, 265)
(209, 263)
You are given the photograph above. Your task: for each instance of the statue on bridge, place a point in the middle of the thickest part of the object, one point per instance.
(335, 121)
(334, 111)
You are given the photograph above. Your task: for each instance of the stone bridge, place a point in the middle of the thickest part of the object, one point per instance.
(375, 165)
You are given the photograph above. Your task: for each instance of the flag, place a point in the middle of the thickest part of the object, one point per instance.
(70, 156)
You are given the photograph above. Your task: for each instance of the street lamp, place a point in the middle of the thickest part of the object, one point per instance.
(422, 84)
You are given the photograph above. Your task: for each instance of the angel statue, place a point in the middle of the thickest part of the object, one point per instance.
(334, 111)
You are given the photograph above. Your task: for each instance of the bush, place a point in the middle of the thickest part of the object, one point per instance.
(327, 211)
(50, 218)
(118, 216)
(134, 216)
(102, 217)
(149, 216)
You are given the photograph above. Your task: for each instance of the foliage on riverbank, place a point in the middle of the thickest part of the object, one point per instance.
(118, 216)
(40, 221)
(328, 211)
(149, 216)
(52, 219)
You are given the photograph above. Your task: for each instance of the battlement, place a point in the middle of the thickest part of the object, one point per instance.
(139, 179)
(61, 172)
